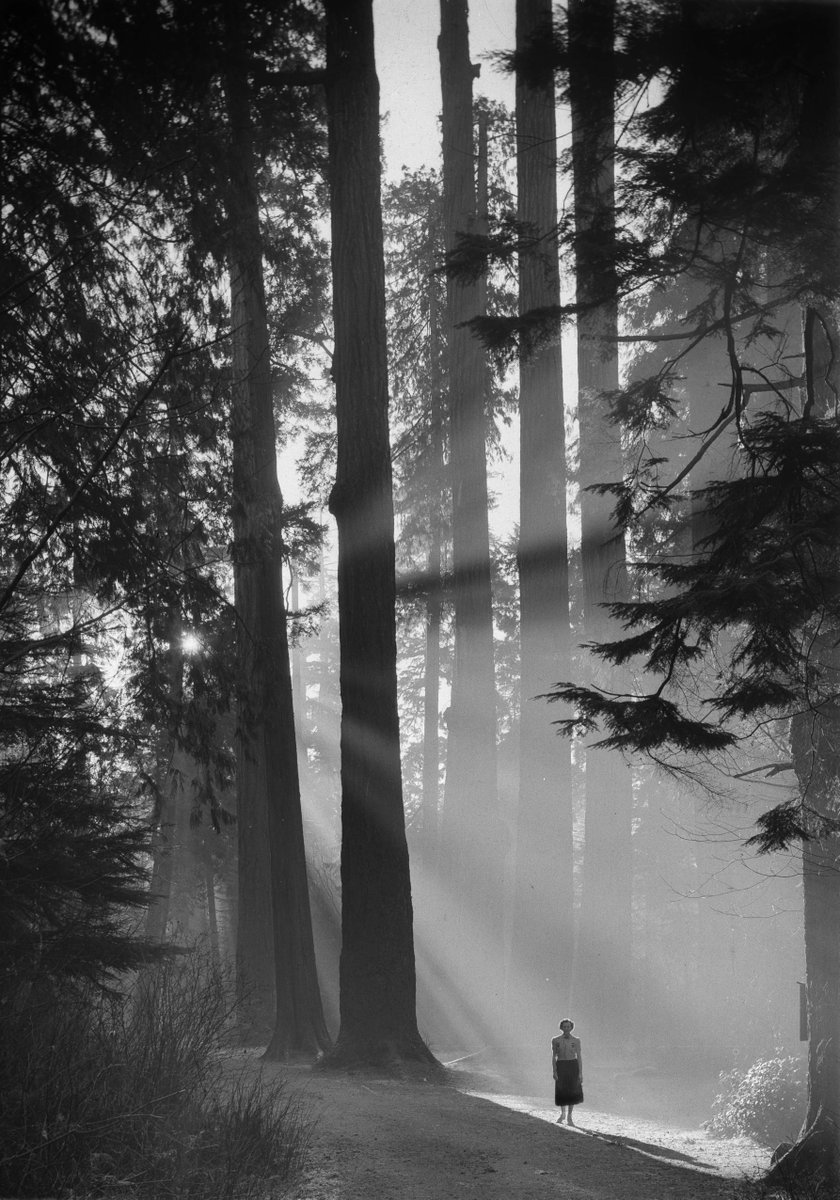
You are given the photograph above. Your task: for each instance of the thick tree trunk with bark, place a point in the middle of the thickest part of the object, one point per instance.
(603, 970)
(268, 787)
(815, 750)
(543, 916)
(815, 741)
(473, 837)
(378, 986)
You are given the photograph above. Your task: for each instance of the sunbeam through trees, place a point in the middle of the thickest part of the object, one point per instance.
(419, 600)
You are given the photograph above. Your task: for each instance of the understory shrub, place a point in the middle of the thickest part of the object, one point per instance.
(766, 1102)
(134, 1095)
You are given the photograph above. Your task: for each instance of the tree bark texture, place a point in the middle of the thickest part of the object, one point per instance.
(543, 913)
(378, 985)
(474, 843)
(268, 786)
(815, 747)
(603, 963)
(815, 739)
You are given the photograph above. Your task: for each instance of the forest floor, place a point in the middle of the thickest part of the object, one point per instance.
(380, 1138)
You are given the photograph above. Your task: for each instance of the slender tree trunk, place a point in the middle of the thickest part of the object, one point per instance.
(298, 681)
(543, 913)
(163, 861)
(267, 770)
(378, 985)
(430, 815)
(473, 838)
(603, 964)
(212, 913)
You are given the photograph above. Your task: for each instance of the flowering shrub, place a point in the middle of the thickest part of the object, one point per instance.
(766, 1102)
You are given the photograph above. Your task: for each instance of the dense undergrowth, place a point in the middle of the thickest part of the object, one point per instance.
(131, 1095)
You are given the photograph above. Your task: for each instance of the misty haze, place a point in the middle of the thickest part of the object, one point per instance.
(420, 739)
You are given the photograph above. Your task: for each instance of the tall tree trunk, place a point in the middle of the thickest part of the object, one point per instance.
(267, 770)
(815, 746)
(603, 963)
(543, 913)
(472, 833)
(165, 844)
(815, 740)
(378, 985)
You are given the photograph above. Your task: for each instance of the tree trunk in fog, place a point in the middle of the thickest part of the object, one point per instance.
(377, 1006)
(430, 816)
(172, 843)
(542, 926)
(167, 849)
(472, 833)
(274, 923)
(298, 681)
(602, 976)
(164, 844)
(160, 883)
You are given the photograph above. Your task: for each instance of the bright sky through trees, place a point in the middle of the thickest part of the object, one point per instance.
(406, 34)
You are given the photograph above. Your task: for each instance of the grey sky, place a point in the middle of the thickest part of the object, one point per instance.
(407, 65)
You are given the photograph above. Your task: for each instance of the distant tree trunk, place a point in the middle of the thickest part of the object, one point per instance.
(472, 833)
(212, 911)
(430, 815)
(298, 682)
(267, 771)
(543, 913)
(164, 846)
(166, 849)
(164, 841)
(378, 985)
(603, 964)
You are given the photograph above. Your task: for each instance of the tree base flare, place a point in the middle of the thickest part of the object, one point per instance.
(400, 1058)
(813, 1160)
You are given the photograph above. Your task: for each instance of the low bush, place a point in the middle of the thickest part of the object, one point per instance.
(766, 1102)
(132, 1095)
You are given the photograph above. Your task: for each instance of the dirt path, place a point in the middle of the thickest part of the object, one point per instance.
(385, 1139)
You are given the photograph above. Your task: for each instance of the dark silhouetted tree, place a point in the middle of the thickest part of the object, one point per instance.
(602, 970)
(378, 985)
(543, 916)
(268, 787)
(472, 832)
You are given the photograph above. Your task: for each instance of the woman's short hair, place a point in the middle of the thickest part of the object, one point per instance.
(567, 1021)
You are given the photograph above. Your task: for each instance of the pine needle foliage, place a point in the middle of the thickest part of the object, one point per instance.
(726, 208)
(766, 575)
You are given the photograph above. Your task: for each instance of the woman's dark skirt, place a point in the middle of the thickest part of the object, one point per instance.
(567, 1085)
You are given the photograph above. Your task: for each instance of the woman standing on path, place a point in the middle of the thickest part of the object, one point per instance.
(567, 1067)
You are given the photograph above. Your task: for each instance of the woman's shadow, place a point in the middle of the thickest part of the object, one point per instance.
(650, 1148)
